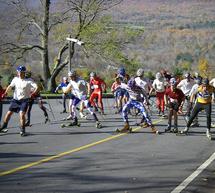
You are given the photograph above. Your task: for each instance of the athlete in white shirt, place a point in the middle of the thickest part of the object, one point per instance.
(212, 82)
(22, 93)
(79, 90)
(142, 82)
(159, 85)
(186, 85)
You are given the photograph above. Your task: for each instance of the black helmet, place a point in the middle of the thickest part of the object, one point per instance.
(198, 80)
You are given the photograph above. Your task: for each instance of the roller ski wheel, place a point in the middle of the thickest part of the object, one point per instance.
(98, 125)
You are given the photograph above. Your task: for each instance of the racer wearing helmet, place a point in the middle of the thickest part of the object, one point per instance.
(99, 86)
(24, 89)
(174, 99)
(203, 102)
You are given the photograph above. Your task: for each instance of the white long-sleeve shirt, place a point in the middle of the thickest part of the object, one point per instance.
(185, 86)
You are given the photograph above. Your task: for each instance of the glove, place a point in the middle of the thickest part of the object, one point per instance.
(33, 95)
(105, 91)
(3, 95)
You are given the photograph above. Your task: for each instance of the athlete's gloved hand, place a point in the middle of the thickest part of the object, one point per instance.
(33, 96)
(3, 95)
(105, 91)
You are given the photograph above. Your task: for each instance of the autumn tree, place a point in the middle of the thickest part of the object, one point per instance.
(36, 24)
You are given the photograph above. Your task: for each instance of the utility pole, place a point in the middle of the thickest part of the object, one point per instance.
(76, 41)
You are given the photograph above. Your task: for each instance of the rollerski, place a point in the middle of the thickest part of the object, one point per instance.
(125, 129)
(75, 123)
(98, 125)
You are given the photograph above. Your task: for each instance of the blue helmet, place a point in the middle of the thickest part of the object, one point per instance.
(121, 71)
(21, 69)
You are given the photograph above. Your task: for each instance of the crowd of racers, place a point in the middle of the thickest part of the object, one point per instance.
(185, 96)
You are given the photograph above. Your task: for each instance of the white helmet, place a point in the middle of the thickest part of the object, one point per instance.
(172, 81)
(158, 75)
(72, 73)
(140, 72)
(65, 78)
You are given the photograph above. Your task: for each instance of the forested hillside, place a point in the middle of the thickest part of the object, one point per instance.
(178, 35)
(176, 32)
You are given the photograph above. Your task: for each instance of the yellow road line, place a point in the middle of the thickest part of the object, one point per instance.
(67, 152)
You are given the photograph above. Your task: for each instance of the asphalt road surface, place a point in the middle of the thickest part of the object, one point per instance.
(85, 159)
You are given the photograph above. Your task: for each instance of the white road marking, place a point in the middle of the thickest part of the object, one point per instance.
(190, 178)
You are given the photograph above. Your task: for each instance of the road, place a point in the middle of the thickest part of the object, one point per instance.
(85, 159)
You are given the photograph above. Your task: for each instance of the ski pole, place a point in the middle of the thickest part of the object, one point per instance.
(48, 102)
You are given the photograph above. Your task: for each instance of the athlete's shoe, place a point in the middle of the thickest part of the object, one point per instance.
(98, 125)
(27, 124)
(46, 119)
(154, 130)
(64, 111)
(175, 130)
(23, 133)
(196, 124)
(82, 115)
(125, 129)
(208, 134)
(187, 118)
(212, 125)
(168, 129)
(164, 116)
(185, 131)
(68, 118)
(5, 130)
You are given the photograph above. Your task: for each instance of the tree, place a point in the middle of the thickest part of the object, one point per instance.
(36, 25)
(203, 67)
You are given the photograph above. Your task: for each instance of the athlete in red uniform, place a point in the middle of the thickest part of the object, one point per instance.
(174, 99)
(98, 86)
